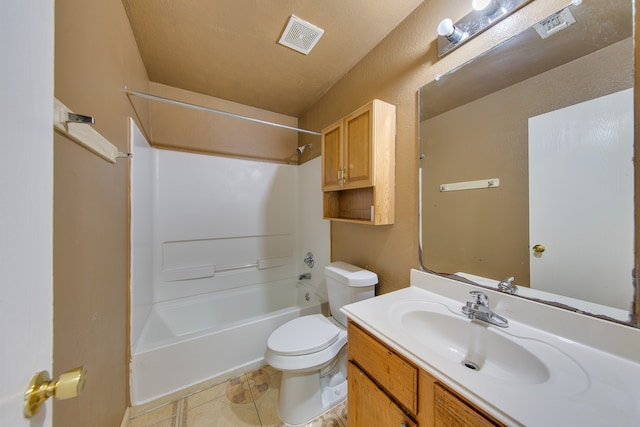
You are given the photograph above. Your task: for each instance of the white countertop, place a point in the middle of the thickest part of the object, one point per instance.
(594, 365)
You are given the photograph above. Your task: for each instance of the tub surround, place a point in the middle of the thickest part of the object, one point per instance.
(593, 366)
(217, 247)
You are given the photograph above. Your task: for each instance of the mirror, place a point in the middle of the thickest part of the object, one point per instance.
(516, 128)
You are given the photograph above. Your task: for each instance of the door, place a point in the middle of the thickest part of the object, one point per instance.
(357, 146)
(332, 157)
(581, 200)
(26, 198)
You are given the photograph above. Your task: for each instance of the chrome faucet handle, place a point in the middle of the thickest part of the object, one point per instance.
(507, 285)
(480, 298)
(479, 309)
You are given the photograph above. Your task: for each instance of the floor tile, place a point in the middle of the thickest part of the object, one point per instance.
(211, 393)
(239, 390)
(221, 413)
(341, 412)
(164, 416)
(267, 401)
(247, 400)
(330, 419)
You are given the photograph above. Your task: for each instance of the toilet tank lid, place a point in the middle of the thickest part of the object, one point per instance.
(350, 274)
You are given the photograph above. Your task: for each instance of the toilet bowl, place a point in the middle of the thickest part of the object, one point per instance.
(311, 350)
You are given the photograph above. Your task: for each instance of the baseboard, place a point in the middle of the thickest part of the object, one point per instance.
(125, 418)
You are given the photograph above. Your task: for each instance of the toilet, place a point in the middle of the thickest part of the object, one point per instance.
(311, 350)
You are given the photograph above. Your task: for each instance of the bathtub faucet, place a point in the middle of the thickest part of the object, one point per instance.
(304, 276)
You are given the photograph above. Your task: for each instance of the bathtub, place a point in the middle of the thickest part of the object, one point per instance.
(191, 340)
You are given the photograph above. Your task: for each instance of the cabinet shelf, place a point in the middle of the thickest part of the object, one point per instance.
(350, 205)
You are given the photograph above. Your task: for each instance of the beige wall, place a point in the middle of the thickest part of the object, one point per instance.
(186, 129)
(636, 119)
(95, 57)
(393, 72)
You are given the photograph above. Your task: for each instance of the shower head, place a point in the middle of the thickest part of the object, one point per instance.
(301, 149)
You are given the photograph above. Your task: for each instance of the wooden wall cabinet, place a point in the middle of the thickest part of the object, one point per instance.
(358, 166)
(385, 389)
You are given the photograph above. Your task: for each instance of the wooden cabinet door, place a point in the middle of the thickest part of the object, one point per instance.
(358, 148)
(390, 370)
(332, 157)
(450, 411)
(369, 406)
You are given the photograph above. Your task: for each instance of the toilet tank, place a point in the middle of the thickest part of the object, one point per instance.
(346, 284)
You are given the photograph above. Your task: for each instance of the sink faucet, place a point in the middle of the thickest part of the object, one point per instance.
(479, 309)
(304, 276)
(507, 286)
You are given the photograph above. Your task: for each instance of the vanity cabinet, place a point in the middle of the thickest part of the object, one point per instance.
(369, 405)
(450, 410)
(388, 390)
(358, 165)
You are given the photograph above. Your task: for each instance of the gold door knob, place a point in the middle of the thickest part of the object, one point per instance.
(538, 249)
(68, 385)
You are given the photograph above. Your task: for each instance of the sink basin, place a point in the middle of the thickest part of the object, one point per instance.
(473, 345)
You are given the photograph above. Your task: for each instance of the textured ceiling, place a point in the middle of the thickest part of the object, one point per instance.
(228, 48)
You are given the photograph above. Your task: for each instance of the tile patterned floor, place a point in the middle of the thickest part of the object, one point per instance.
(249, 400)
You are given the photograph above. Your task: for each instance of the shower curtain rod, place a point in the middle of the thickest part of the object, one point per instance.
(213, 110)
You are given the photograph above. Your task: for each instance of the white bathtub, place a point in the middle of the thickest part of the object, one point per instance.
(191, 340)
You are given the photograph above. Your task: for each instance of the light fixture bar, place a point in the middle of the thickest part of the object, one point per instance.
(484, 16)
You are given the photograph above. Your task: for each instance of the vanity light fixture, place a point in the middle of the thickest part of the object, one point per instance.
(487, 7)
(484, 14)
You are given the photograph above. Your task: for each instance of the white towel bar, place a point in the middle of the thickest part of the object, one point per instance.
(471, 185)
(75, 127)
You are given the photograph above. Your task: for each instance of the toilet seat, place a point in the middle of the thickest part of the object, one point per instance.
(303, 335)
(316, 345)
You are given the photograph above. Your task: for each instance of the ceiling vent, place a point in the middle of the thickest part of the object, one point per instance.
(300, 35)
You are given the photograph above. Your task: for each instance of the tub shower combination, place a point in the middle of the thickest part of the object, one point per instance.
(216, 259)
(187, 341)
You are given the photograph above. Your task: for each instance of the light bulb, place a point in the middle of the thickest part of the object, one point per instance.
(446, 27)
(488, 7)
(449, 31)
(480, 4)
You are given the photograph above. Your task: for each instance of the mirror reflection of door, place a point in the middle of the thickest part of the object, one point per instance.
(581, 200)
